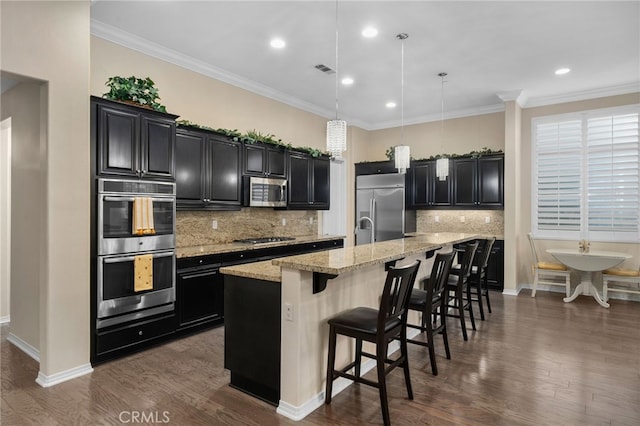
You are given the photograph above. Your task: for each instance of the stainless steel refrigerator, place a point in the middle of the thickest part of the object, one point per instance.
(380, 208)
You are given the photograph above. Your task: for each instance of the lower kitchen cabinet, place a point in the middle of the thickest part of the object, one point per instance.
(252, 336)
(123, 339)
(495, 268)
(199, 297)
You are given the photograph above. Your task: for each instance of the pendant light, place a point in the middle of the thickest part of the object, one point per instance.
(402, 153)
(336, 129)
(442, 164)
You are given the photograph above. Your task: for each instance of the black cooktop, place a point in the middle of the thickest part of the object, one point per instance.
(263, 240)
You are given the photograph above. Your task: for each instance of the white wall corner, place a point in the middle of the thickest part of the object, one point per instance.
(513, 95)
(24, 346)
(47, 381)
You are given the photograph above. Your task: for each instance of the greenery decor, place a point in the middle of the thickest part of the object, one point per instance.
(132, 89)
(473, 154)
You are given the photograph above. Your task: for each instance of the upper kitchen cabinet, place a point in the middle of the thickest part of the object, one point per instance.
(133, 141)
(264, 160)
(308, 181)
(207, 170)
(375, 167)
(478, 182)
(425, 190)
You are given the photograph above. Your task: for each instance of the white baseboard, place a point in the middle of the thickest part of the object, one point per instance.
(299, 412)
(511, 292)
(24, 346)
(46, 381)
(5, 319)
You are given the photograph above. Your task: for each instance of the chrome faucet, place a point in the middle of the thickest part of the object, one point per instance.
(372, 226)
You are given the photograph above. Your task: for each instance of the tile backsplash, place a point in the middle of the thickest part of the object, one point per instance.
(469, 221)
(194, 228)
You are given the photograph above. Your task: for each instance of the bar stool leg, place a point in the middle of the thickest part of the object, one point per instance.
(463, 325)
(331, 359)
(405, 353)
(486, 292)
(471, 316)
(479, 294)
(381, 355)
(358, 357)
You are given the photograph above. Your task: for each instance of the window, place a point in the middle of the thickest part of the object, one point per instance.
(586, 182)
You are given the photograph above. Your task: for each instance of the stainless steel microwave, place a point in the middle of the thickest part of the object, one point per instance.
(265, 192)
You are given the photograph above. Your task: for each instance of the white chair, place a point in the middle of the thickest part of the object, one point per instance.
(549, 273)
(621, 281)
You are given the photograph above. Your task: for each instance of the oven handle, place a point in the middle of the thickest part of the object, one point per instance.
(131, 258)
(130, 199)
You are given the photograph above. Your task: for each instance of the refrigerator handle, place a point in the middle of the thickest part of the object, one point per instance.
(373, 218)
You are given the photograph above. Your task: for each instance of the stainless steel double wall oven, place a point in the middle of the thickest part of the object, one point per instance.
(118, 245)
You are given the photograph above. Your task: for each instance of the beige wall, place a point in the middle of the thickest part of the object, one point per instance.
(5, 218)
(49, 41)
(22, 104)
(459, 136)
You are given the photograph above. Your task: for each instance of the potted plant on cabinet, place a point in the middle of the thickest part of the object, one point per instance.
(140, 91)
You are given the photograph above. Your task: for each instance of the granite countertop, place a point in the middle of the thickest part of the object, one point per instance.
(347, 259)
(202, 250)
(265, 271)
(479, 235)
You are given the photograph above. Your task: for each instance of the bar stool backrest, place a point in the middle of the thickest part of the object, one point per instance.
(395, 296)
(484, 253)
(439, 275)
(468, 254)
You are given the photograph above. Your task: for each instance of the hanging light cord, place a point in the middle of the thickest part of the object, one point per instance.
(336, 59)
(402, 37)
(442, 75)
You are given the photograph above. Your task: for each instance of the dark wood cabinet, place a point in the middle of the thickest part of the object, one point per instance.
(495, 268)
(199, 294)
(207, 170)
(375, 167)
(308, 182)
(133, 141)
(425, 189)
(264, 160)
(478, 182)
(465, 178)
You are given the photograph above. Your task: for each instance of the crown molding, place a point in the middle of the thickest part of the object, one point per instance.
(142, 45)
(421, 119)
(584, 95)
(513, 95)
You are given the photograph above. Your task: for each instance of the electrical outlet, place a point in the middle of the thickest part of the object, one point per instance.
(214, 224)
(436, 219)
(487, 219)
(288, 312)
(284, 222)
(461, 219)
(310, 221)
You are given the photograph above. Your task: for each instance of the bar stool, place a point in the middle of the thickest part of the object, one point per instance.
(432, 303)
(458, 286)
(478, 274)
(380, 326)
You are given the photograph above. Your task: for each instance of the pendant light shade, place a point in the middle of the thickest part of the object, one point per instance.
(402, 153)
(336, 129)
(336, 137)
(402, 156)
(442, 164)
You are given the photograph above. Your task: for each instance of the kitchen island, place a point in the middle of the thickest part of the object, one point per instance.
(290, 315)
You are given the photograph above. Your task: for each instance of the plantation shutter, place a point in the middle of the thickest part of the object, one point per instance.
(558, 155)
(613, 180)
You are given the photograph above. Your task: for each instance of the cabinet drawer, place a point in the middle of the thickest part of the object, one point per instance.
(134, 334)
(199, 261)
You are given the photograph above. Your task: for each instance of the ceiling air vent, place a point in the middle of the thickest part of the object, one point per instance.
(325, 69)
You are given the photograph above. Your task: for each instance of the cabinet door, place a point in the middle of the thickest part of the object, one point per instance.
(441, 189)
(157, 147)
(321, 183)
(254, 160)
(118, 142)
(419, 177)
(276, 163)
(490, 181)
(298, 180)
(189, 168)
(224, 171)
(465, 181)
(199, 297)
(375, 167)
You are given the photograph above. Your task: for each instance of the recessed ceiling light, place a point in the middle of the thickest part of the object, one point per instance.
(347, 81)
(562, 71)
(277, 43)
(369, 32)
(390, 104)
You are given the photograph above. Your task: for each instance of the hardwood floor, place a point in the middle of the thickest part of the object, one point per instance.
(534, 361)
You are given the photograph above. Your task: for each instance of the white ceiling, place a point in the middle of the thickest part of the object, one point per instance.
(486, 47)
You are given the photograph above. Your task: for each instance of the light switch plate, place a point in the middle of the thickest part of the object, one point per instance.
(436, 219)
(214, 224)
(284, 222)
(461, 219)
(487, 219)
